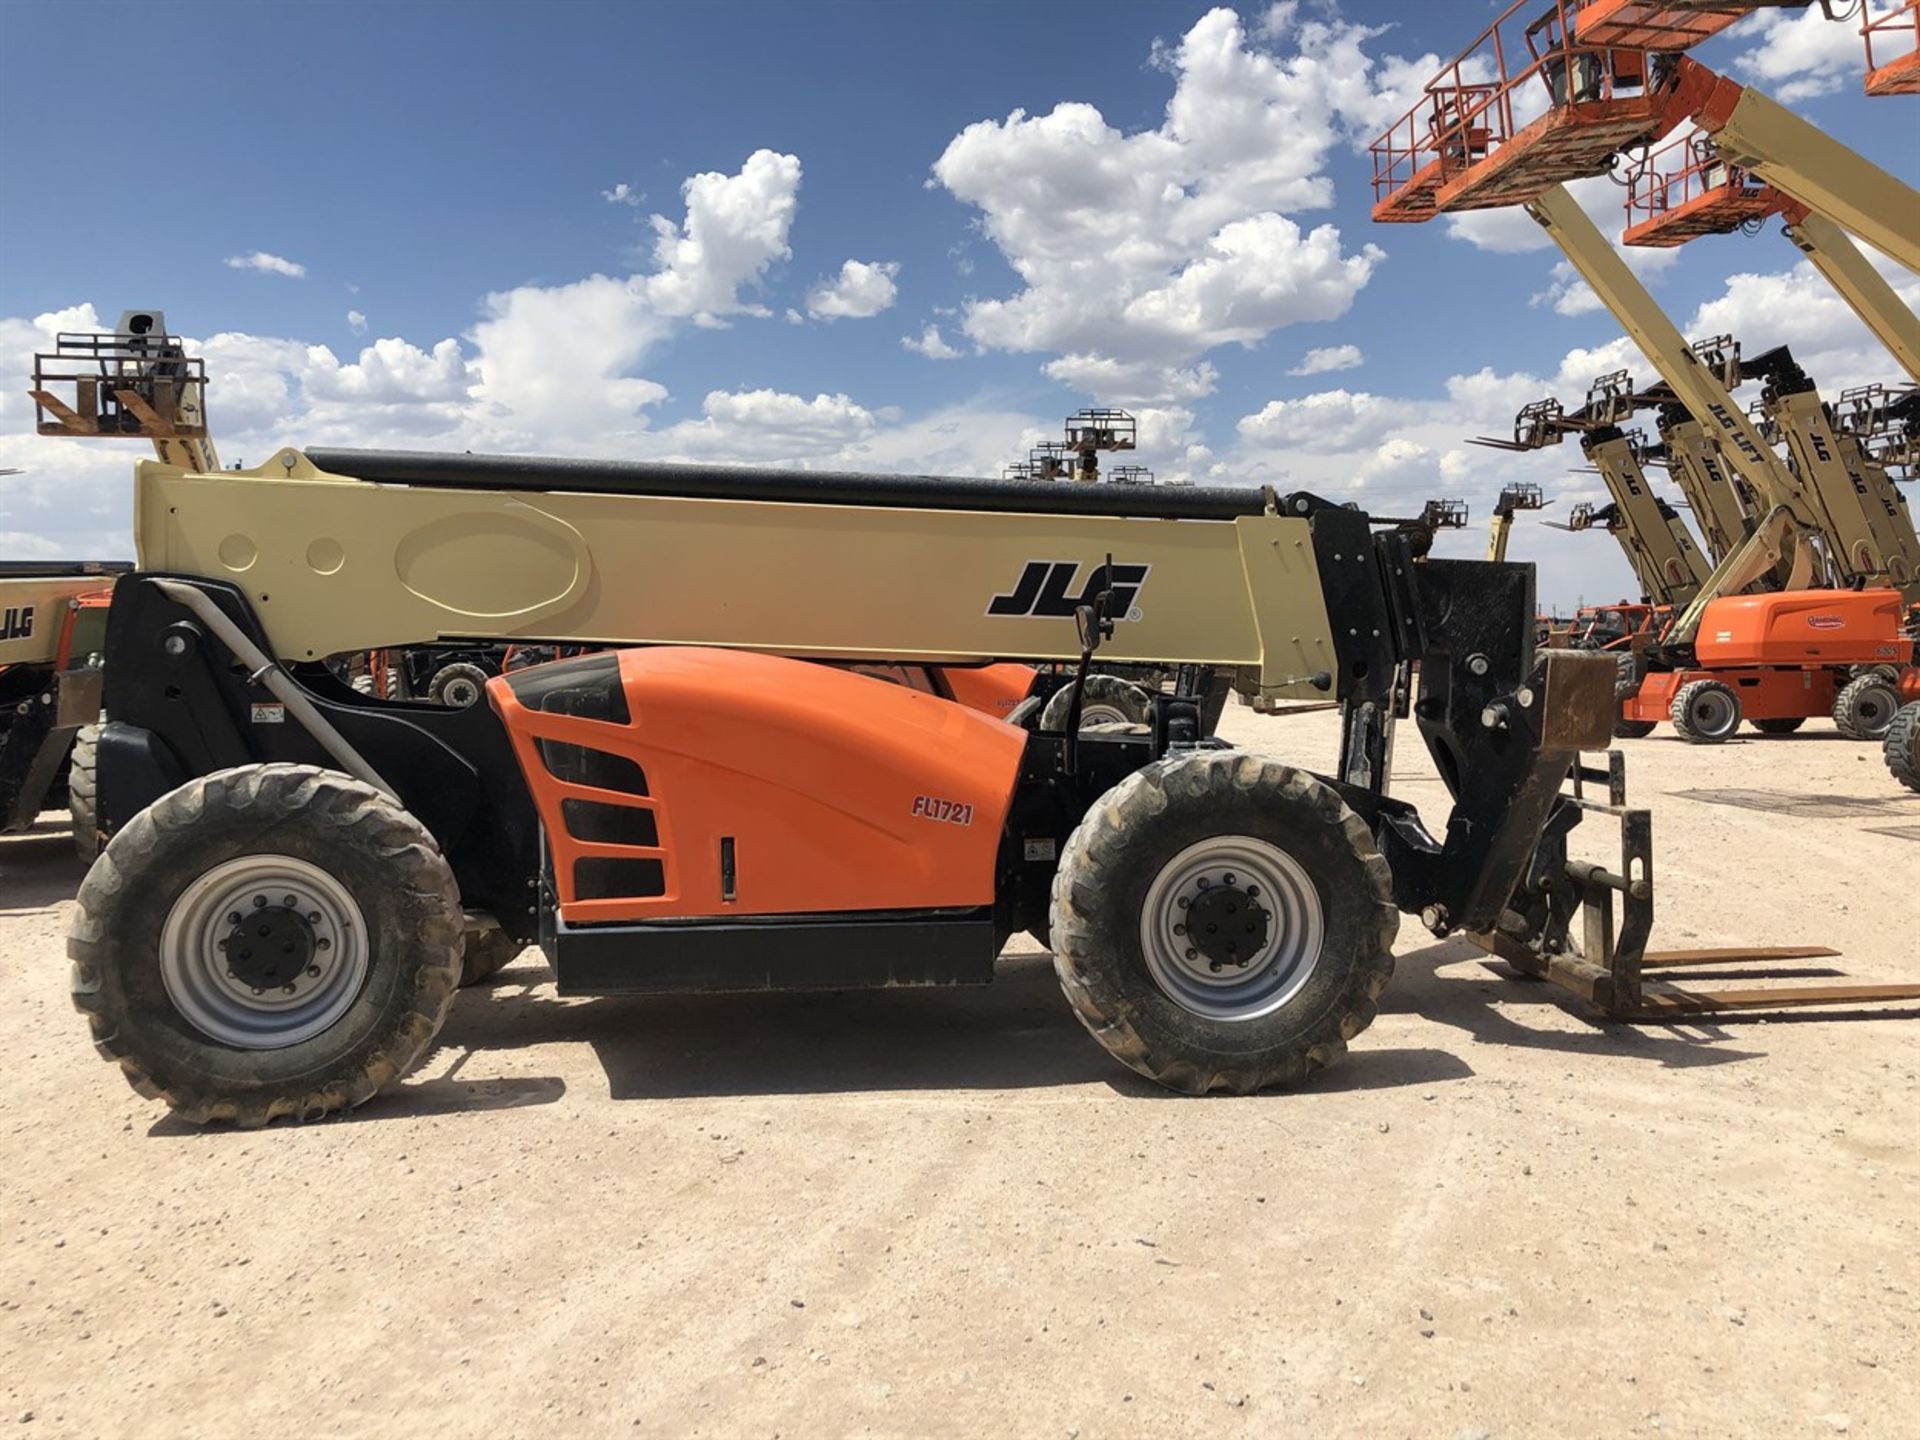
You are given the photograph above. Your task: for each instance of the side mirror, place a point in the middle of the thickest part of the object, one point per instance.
(1086, 622)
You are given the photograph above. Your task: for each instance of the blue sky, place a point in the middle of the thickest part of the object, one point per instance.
(412, 160)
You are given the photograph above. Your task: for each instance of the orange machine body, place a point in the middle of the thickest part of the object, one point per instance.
(991, 689)
(1765, 694)
(1803, 627)
(683, 783)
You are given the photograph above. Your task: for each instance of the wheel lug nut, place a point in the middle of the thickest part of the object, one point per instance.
(313, 917)
(1204, 882)
(1179, 929)
(1214, 966)
(1192, 954)
(1227, 878)
(234, 918)
(1252, 890)
(313, 970)
(323, 943)
(1184, 902)
(258, 991)
(259, 902)
(291, 902)
(286, 989)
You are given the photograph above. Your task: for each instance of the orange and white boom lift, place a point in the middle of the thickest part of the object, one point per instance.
(1687, 189)
(1565, 96)
(1560, 104)
(1866, 516)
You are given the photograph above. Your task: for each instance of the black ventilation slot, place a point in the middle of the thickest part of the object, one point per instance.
(587, 687)
(601, 824)
(577, 765)
(595, 879)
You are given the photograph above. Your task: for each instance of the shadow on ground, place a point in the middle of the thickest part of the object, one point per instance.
(38, 869)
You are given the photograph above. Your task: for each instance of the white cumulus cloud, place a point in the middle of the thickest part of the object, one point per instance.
(1330, 358)
(356, 322)
(1148, 248)
(735, 228)
(931, 344)
(862, 289)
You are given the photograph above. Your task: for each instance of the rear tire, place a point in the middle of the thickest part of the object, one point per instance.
(457, 686)
(1865, 707)
(83, 791)
(1782, 725)
(1108, 700)
(484, 952)
(1201, 830)
(374, 936)
(1902, 746)
(1705, 712)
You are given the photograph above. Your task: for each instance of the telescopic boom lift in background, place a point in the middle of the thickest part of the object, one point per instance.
(1515, 497)
(1549, 94)
(1666, 562)
(1561, 103)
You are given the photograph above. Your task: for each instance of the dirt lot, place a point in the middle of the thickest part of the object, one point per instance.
(950, 1213)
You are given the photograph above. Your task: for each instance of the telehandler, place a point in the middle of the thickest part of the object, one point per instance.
(277, 924)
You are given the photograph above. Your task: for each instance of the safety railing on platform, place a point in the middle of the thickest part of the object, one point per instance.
(1527, 84)
(1893, 48)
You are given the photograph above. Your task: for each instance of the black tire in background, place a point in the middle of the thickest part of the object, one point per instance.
(1902, 746)
(1705, 712)
(83, 792)
(485, 951)
(1320, 959)
(1108, 700)
(1780, 725)
(1626, 685)
(144, 953)
(1865, 707)
(457, 685)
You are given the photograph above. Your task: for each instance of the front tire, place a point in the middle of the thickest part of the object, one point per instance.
(1705, 712)
(265, 941)
(1299, 905)
(1865, 707)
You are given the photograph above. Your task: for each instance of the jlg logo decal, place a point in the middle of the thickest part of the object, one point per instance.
(1046, 590)
(1827, 622)
(16, 623)
(947, 812)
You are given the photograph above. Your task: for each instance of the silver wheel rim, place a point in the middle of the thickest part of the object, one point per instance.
(199, 932)
(1275, 972)
(1873, 711)
(459, 692)
(1102, 715)
(1712, 713)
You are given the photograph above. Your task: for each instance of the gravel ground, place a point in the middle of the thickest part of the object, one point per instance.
(950, 1213)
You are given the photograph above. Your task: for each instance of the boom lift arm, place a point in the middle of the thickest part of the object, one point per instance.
(1791, 521)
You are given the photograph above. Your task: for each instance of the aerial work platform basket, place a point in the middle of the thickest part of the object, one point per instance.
(1686, 189)
(1889, 71)
(1527, 106)
(1664, 24)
